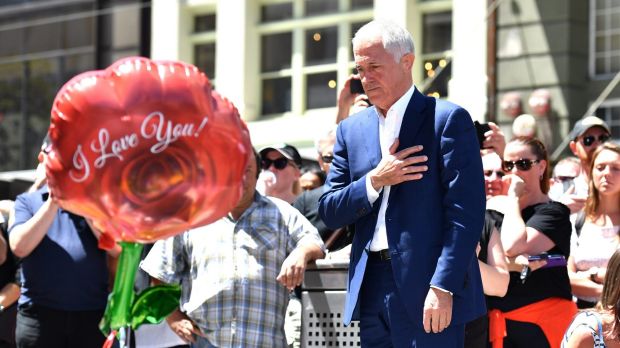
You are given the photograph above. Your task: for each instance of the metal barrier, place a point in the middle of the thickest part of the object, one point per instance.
(322, 298)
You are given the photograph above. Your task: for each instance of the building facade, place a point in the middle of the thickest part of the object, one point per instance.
(45, 43)
(282, 62)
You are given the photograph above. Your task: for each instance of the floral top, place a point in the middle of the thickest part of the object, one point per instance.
(590, 320)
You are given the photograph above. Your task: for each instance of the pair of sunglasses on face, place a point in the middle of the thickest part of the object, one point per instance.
(564, 178)
(278, 163)
(498, 173)
(522, 164)
(327, 158)
(590, 139)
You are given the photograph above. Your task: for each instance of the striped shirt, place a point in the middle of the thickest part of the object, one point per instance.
(228, 269)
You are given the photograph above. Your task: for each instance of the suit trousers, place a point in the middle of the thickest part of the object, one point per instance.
(384, 321)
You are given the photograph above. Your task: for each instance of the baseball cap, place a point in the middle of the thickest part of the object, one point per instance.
(586, 123)
(288, 151)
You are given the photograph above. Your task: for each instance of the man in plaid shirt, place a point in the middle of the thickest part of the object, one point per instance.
(236, 273)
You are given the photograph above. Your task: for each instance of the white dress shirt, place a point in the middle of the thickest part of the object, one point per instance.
(389, 128)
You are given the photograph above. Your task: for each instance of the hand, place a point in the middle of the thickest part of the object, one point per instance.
(398, 167)
(573, 201)
(597, 274)
(495, 139)
(516, 264)
(437, 310)
(51, 203)
(345, 97)
(361, 102)
(292, 271)
(183, 326)
(266, 182)
(516, 185)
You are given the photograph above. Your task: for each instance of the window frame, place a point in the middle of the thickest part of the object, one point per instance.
(204, 37)
(613, 123)
(593, 54)
(298, 71)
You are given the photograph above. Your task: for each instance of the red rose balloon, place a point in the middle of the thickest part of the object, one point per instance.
(146, 149)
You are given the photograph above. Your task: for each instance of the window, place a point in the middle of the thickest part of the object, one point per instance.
(436, 44)
(321, 45)
(301, 51)
(204, 23)
(320, 7)
(604, 37)
(360, 4)
(204, 46)
(52, 43)
(204, 58)
(610, 112)
(320, 91)
(276, 12)
(276, 95)
(276, 51)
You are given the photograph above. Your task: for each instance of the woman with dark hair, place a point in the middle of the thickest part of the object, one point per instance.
(538, 306)
(599, 328)
(595, 237)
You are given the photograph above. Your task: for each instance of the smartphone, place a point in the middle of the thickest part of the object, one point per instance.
(355, 86)
(481, 128)
(553, 260)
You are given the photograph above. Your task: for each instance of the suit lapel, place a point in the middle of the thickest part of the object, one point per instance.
(412, 121)
(369, 130)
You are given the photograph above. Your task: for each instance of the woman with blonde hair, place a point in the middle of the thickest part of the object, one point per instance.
(595, 237)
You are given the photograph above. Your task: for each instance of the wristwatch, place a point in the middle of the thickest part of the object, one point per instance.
(593, 274)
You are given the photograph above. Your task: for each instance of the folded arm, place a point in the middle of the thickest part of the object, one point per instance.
(24, 237)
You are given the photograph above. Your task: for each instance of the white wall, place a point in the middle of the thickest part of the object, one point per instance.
(468, 86)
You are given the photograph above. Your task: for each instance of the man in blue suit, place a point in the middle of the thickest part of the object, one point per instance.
(407, 172)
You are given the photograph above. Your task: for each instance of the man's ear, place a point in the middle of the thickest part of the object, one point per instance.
(573, 147)
(407, 60)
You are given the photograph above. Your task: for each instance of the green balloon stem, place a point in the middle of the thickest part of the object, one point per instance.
(118, 313)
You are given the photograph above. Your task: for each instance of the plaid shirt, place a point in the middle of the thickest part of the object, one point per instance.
(228, 272)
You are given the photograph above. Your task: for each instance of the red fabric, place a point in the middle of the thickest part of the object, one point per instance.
(552, 315)
(109, 341)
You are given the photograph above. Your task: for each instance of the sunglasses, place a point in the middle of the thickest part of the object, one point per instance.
(564, 178)
(522, 164)
(327, 158)
(279, 163)
(498, 173)
(590, 139)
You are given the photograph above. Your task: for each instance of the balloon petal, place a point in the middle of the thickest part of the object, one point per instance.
(146, 149)
(154, 304)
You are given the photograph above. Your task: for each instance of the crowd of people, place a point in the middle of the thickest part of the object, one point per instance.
(453, 240)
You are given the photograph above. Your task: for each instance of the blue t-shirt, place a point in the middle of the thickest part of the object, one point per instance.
(66, 271)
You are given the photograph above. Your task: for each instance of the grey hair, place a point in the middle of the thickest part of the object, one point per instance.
(567, 160)
(395, 38)
(326, 135)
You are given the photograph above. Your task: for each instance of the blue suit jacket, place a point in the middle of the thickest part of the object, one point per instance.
(433, 224)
